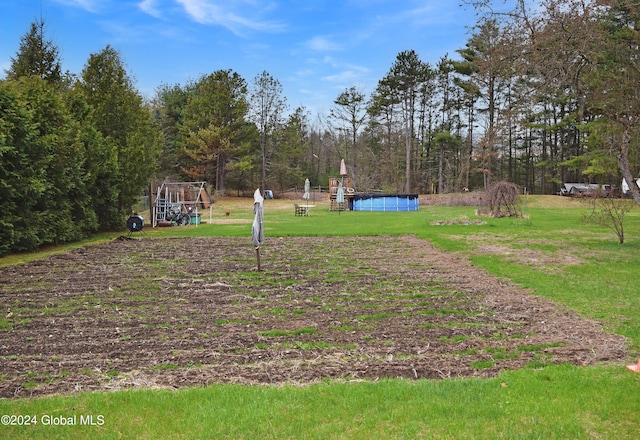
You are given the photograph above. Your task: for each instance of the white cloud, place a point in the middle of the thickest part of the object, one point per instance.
(150, 7)
(133, 34)
(124, 33)
(423, 14)
(346, 76)
(87, 5)
(236, 16)
(322, 44)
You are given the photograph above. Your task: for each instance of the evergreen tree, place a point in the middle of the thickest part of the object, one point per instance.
(409, 73)
(383, 108)
(287, 166)
(127, 128)
(350, 112)
(219, 103)
(37, 56)
(20, 180)
(43, 181)
(168, 113)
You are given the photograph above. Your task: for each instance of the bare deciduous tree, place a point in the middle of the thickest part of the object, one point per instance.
(267, 105)
(609, 212)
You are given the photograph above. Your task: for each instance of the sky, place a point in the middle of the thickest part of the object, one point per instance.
(316, 49)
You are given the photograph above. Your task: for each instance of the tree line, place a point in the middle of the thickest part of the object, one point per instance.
(74, 151)
(542, 93)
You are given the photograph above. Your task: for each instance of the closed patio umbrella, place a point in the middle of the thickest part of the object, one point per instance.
(257, 231)
(340, 197)
(343, 168)
(307, 189)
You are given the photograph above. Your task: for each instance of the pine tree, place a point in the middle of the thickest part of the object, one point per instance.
(126, 125)
(37, 56)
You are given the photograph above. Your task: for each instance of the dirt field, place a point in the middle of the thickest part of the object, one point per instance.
(191, 312)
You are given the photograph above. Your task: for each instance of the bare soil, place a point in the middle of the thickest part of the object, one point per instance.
(188, 312)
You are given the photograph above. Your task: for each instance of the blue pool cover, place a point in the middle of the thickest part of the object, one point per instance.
(385, 202)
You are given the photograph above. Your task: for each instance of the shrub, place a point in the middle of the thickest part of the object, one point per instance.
(501, 200)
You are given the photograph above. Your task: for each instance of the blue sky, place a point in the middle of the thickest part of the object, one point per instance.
(315, 48)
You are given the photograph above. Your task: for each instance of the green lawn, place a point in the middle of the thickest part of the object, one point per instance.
(552, 253)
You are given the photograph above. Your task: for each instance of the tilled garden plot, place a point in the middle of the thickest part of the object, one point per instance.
(195, 311)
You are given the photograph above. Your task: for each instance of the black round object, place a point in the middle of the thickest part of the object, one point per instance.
(135, 223)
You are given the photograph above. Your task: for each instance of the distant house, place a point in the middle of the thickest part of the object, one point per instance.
(583, 189)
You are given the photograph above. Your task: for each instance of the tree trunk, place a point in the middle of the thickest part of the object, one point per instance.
(623, 158)
(408, 161)
(440, 170)
(220, 177)
(263, 177)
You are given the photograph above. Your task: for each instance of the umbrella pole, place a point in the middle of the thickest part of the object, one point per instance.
(258, 257)
(340, 204)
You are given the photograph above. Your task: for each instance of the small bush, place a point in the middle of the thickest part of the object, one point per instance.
(501, 200)
(608, 211)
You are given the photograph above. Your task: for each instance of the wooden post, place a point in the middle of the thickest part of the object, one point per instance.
(258, 257)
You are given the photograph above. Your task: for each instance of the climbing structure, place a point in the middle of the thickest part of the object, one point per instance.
(349, 191)
(178, 203)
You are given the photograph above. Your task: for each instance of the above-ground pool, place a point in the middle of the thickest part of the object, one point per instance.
(385, 202)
